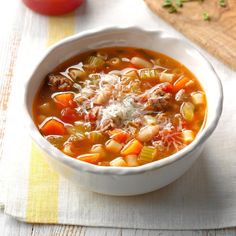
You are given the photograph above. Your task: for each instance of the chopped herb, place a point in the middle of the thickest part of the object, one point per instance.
(222, 3)
(172, 9)
(179, 3)
(206, 16)
(167, 3)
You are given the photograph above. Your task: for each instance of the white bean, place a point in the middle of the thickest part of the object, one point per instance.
(147, 133)
(140, 62)
(103, 97)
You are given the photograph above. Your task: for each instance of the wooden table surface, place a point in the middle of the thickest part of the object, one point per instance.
(15, 17)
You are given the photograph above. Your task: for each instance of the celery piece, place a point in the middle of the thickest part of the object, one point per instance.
(96, 137)
(187, 111)
(147, 154)
(95, 61)
(149, 74)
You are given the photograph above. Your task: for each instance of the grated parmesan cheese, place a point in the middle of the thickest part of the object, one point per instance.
(125, 110)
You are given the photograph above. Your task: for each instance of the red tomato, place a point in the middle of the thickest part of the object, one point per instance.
(69, 115)
(168, 88)
(53, 7)
(184, 124)
(92, 117)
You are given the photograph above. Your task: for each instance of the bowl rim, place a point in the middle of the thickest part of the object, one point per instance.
(53, 152)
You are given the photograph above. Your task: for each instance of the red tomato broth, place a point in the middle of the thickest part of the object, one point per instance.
(165, 121)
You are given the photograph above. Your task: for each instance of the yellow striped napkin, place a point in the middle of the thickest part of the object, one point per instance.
(43, 182)
(33, 192)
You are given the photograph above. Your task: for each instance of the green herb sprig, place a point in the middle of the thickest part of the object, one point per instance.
(173, 7)
(168, 4)
(222, 3)
(206, 16)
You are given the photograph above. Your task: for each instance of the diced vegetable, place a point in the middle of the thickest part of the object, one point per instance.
(69, 115)
(181, 83)
(198, 98)
(92, 158)
(147, 74)
(118, 162)
(95, 61)
(98, 148)
(133, 74)
(52, 127)
(57, 140)
(187, 111)
(188, 136)
(82, 127)
(77, 139)
(166, 77)
(45, 108)
(78, 129)
(132, 147)
(120, 136)
(113, 146)
(77, 74)
(77, 133)
(95, 137)
(131, 160)
(147, 133)
(167, 87)
(147, 154)
(64, 100)
(140, 62)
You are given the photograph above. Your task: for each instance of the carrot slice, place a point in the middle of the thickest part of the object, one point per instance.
(64, 100)
(120, 136)
(53, 127)
(132, 147)
(92, 158)
(180, 83)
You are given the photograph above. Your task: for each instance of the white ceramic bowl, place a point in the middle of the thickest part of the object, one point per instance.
(129, 180)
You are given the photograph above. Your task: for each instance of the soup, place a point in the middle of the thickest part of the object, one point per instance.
(120, 106)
